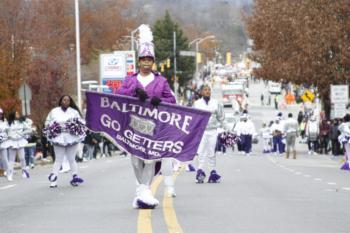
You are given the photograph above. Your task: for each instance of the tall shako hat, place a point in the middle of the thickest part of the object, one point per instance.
(146, 46)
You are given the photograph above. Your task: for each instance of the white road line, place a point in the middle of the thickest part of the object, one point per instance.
(8, 186)
(331, 183)
(317, 179)
(346, 188)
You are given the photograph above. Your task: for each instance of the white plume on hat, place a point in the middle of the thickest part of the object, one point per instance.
(146, 46)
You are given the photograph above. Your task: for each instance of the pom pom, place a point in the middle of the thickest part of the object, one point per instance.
(52, 130)
(75, 126)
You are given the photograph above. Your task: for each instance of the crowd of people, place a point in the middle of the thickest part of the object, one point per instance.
(65, 137)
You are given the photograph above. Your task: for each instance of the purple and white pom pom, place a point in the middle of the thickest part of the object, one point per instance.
(75, 127)
(52, 130)
(229, 139)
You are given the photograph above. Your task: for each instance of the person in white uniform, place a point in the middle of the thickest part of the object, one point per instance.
(291, 132)
(266, 136)
(344, 138)
(17, 133)
(245, 129)
(65, 129)
(207, 145)
(3, 146)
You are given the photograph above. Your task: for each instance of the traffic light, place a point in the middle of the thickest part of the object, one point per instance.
(161, 67)
(168, 63)
(199, 58)
(228, 58)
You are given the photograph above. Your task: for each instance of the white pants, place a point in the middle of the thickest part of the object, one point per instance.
(266, 141)
(144, 170)
(68, 151)
(167, 171)
(4, 159)
(12, 157)
(347, 150)
(206, 149)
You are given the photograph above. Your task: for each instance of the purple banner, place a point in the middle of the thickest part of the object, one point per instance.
(145, 131)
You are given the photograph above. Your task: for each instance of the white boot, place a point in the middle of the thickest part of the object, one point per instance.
(169, 184)
(145, 199)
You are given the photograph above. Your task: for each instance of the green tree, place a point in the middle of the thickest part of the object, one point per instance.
(164, 48)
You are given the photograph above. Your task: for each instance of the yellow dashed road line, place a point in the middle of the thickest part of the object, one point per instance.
(144, 222)
(169, 212)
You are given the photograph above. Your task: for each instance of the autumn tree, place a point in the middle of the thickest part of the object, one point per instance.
(304, 42)
(13, 50)
(40, 35)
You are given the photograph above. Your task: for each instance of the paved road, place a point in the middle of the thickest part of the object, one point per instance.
(258, 194)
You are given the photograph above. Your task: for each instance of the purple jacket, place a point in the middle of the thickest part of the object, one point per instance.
(159, 87)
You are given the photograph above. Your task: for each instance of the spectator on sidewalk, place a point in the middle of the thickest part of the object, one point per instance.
(325, 130)
(334, 134)
(30, 148)
(300, 117)
(91, 142)
(312, 133)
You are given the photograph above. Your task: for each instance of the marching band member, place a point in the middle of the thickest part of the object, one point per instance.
(65, 129)
(246, 130)
(266, 136)
(344, 138)
(17, 133)
(147, 85)
(206, 149)
(3, 148)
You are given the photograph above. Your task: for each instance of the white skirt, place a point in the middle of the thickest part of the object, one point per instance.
(66, 139)
(14, 144)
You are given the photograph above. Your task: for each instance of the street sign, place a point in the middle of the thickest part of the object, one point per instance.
(308, 96)
(114, 67)
(188, 53)
(338, 110)
(339, 93)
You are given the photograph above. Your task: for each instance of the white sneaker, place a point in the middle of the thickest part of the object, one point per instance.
(25, 174)
(9, 178)
(309, 152)
(53, 184)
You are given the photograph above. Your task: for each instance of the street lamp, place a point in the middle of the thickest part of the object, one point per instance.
(197, 45)
(193, 41)
(132, 38)
(77, 39)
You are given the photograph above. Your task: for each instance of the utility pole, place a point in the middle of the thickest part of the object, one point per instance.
(77, 47)
(176, 84)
